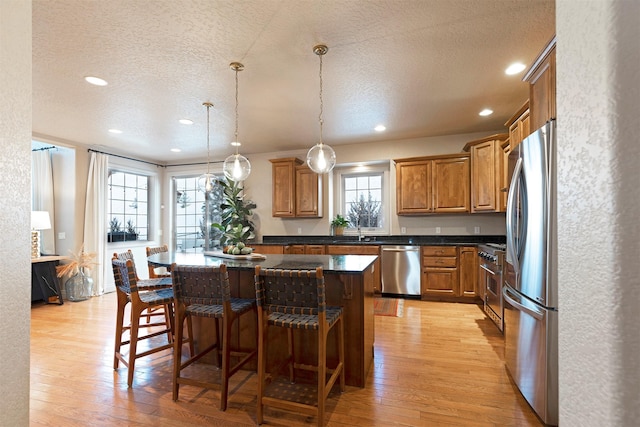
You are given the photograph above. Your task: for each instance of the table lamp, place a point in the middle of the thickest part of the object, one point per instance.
(39, 221)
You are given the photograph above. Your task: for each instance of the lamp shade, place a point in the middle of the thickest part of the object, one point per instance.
(40, 220)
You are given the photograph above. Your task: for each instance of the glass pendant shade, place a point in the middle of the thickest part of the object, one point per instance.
(206, 182)
(236, 167)
(321, 158)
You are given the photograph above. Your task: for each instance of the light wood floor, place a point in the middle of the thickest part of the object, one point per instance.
(441, 364)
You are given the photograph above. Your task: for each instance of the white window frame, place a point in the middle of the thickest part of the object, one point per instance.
(178, 242)
(151, 182)
(340, 172)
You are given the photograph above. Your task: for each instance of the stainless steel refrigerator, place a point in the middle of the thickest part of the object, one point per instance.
(530, 286)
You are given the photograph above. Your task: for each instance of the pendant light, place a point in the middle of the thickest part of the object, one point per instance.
(207, 181)
(236, 167)
(321, 158)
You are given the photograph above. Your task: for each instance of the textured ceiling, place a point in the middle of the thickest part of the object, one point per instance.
(423, 68)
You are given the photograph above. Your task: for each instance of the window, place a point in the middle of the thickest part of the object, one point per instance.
(362, 196)
(128, 207)
(190, 213)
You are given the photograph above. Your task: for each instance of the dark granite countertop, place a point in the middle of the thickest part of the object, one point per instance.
(382, 240)
(343, 264)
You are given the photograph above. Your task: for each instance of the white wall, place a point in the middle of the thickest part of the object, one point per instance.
(15, 207)
(598, 100)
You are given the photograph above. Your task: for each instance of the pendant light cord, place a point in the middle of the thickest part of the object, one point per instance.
(237, 142)
(321, 104)
(208, 105)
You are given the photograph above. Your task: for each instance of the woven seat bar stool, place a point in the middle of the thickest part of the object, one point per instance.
(295, 299)
(148, 285)
(157, 272)
(128, 293)
(206, 292)
(144, 284)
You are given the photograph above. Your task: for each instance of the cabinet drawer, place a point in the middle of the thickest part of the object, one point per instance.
(447, 251)
(440, 262)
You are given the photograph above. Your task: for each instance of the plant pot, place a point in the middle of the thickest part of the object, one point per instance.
(338, 231)
(121, 236)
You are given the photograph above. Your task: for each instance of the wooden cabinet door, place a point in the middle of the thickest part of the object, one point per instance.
(486, 161)
(468, 261)
(439, 282)
(284, 187)
(307, 202)
(314, 249)
(451, 184)
(294, 249)
(505, 179)
(542, 87)
(413, 192)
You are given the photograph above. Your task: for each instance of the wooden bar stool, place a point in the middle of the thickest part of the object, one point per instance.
(295, 299)
(157, 272)
(128, 292)
(150, 284)
(206, 292)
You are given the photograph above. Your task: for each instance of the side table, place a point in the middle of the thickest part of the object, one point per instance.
(44, 281)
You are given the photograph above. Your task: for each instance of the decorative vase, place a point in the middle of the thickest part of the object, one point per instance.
(78, 287)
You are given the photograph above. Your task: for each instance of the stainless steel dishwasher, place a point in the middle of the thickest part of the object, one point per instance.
(400, 270)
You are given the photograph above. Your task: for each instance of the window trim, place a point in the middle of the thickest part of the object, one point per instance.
(340, 172)
(152, 188)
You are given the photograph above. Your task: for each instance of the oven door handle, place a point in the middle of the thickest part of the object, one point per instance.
(488, 270)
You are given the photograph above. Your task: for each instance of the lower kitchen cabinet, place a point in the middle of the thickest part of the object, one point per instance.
(305, 249)
(449, 272)
(468, 260)
(268, 249)
(439, 271)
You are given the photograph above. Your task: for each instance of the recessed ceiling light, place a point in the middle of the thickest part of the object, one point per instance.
(115, 131)
(515, 68)
(380, 128)
(176, 150)
(96, 81)
(486, 112)
(186, 121)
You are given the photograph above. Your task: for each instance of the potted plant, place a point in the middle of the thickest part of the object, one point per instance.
(339, 223)
(236, 225)
(115, 233)
(131, 233)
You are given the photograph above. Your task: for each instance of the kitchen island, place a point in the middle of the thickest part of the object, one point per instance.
(349, 281)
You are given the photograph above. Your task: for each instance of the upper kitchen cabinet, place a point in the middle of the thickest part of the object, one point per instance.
(451, 184)
(308, 200)
(436, 184)
(296, 190)
(542, 86)
(413, 193)
(519, 126)
(487, 161)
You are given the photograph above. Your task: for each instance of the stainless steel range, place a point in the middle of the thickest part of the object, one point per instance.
(491, 267)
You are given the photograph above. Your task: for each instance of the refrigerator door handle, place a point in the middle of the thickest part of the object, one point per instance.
(511, 243)
(539, 315)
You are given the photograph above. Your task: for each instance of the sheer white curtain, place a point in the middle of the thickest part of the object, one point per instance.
(42, 196)
(95, 218)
